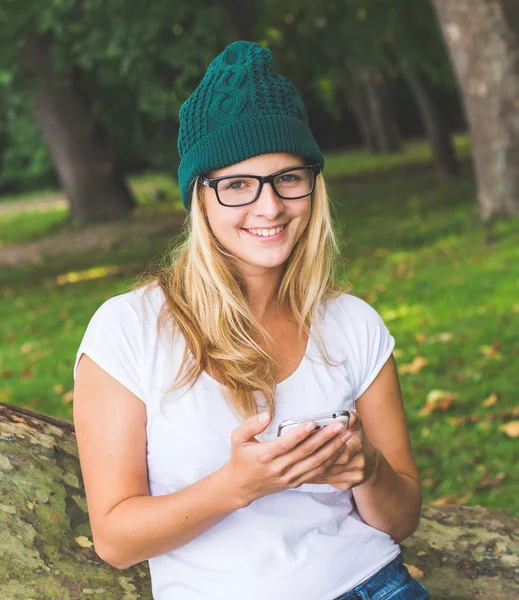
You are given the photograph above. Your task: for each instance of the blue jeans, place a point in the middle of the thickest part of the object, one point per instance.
(392, 582)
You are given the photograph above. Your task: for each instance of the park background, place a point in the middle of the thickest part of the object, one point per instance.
(415, 105)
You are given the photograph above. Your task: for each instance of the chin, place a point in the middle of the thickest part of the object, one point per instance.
(270, 264)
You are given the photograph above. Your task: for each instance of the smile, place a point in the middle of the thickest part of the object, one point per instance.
(266, 233)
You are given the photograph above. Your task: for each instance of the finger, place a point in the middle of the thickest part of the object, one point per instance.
(306, 441)
(286, 442)
(320, 474)
(316, 462)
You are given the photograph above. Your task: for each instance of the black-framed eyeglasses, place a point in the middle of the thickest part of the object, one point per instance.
(239, 190)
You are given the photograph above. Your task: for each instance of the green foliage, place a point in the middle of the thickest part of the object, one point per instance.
(134, 63)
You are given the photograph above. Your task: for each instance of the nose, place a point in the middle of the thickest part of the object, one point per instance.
(268, 203)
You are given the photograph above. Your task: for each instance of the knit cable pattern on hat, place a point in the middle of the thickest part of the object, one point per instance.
(239, 87)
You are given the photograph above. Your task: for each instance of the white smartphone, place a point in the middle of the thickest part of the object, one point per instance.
(321, 420)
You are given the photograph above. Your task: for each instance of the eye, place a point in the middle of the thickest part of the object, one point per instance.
(289, 178)
(235, 184)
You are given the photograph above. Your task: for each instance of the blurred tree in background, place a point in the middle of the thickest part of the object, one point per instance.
(91, 91)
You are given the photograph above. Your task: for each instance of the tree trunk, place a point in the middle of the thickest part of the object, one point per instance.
(357, 105)
(437, 133)
(483, 40)
(95, 189)
(383, 124)
(46, 545)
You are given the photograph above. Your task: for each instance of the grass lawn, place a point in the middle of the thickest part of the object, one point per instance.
(414, 249)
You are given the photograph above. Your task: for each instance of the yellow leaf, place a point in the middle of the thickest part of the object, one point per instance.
(492, 351)
(415, 572)
(446, 336)
(511, 429)
(414, 367)
(84, 542)
(490, 401)
(451, 499)
(67, 397)
(437, 400)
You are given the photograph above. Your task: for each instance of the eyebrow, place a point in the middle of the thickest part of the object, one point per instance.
(239, 174)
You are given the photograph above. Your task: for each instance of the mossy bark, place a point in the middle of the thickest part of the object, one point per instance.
(46, 543)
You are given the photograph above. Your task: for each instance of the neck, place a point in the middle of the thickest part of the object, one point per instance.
(262, 291)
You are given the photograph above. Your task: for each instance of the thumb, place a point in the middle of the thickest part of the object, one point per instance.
(251, 427)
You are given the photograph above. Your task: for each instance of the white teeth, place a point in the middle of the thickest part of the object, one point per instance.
(266, 232)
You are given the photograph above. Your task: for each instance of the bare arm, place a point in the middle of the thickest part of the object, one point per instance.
(128, 524)
(391, 499)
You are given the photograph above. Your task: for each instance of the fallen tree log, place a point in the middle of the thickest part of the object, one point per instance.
(46, 545)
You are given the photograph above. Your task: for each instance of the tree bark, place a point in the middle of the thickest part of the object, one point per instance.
(95, 189)
(46, 545)
(483, 41)
(436, 130)
(360, 111)
(383, 124)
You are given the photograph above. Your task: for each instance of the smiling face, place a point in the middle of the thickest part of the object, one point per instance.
(257, 254)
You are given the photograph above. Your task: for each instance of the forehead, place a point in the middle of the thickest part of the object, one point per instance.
(260, 165)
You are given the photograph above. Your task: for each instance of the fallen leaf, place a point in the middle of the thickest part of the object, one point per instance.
(437, 400)
(415, 572)
(490, 480)
(451, 499)
(490, 416)
(492, 351)
(511, 429)
(67, 397)
(490, 401)
(446, 336)
(414, 367)
(27, 347)
(83, 541)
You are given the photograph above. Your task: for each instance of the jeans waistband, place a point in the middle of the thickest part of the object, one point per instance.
(371, 588)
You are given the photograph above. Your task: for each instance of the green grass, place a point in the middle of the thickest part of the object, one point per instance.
(414, 249)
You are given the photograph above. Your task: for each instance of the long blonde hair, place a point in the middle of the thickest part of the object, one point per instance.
(205, 301)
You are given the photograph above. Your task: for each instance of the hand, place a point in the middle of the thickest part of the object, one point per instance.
(357, 462)
(257, 469)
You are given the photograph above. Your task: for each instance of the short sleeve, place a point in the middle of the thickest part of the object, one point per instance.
(370, 341)
(113, 340)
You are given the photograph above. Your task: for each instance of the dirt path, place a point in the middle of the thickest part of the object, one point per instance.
(104, 235)
(18, 206)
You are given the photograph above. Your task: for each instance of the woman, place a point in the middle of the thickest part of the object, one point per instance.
(180, 468)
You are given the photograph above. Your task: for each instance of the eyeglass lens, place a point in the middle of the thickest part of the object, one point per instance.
(291, 184)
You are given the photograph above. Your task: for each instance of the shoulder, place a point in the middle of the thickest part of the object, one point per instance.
(140, 301)
(127, 312)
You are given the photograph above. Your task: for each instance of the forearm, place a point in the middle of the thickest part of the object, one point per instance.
(389, 501)
(142, 527)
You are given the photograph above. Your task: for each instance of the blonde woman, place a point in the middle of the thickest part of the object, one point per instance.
(182, 382)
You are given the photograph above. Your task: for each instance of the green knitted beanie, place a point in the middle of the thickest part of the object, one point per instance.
(240, 109)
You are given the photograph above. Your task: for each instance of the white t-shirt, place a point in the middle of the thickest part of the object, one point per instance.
(308, 543)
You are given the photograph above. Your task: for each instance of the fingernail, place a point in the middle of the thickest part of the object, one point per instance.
(346, 436)
(310, 426)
